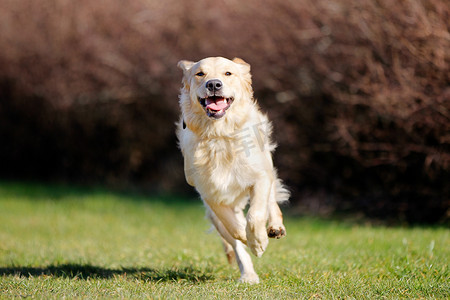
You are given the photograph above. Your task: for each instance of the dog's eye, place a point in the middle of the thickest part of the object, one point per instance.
(200, 74)
(228, 73)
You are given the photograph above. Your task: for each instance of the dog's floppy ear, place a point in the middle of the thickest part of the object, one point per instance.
(185, 65)
(245, 73)
(245, 67)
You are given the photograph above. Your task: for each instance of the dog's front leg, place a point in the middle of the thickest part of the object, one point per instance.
(243, 259)
(230, 219)
(257, 215)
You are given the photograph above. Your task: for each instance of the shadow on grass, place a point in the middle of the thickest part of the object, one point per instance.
(87, 271)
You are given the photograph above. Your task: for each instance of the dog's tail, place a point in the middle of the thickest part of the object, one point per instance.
(282, 194)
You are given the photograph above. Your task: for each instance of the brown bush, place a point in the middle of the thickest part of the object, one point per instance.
(359, 93)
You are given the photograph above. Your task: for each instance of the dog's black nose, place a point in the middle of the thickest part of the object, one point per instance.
(214, 85)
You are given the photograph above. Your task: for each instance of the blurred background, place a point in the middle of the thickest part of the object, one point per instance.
(359, 93)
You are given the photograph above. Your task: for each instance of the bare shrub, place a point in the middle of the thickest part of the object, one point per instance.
(359, 92)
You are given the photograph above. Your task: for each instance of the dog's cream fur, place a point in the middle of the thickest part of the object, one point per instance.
(227, 157)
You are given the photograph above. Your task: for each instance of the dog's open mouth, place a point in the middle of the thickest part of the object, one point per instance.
(215, 106)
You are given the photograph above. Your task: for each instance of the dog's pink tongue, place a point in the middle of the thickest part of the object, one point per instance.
(218, 105)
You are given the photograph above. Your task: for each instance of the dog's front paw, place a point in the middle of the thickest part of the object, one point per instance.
(276, 232)
(257, 241)
(251, 278)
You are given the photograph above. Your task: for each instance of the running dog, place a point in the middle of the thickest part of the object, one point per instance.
(227, 149)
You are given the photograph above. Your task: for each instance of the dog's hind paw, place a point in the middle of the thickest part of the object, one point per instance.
(276, 232)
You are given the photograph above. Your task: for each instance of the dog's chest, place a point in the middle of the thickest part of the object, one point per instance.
(223, 172)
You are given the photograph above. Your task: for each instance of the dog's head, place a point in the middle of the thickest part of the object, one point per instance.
(215, 83)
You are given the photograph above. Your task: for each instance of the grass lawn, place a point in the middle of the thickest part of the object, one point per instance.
(60, 242)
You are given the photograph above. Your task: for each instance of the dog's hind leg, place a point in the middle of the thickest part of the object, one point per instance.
(229, 251)
(248, 274)
(275, 227)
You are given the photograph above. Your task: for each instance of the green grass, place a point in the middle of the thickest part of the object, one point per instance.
(58, 241)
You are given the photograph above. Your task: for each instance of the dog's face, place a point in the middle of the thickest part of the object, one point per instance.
(214, 83)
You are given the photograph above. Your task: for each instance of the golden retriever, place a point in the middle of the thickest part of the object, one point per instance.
(227, 150)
